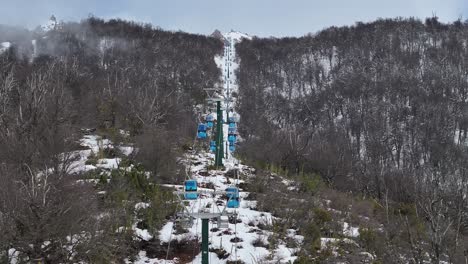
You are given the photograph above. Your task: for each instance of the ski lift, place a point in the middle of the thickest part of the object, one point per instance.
(202, 127)
(232, 147)
(213, 146)
(232, 125)
(190, 190)
(232, 138)
(231, 131)
(201, 134)
(233, 197)
(231, 119)
(209, 121)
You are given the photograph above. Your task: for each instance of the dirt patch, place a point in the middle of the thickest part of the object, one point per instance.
(184, 250)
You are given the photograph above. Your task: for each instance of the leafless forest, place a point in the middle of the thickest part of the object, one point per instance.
(372, 118)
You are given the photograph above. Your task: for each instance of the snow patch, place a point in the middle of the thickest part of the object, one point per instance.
(350, 231)
(165, 234)
(109, 163)
(13, 255)
(51, 24)
(141, 205)
(126, 150)
(143, 234)
(4, 46)
(236, 36)
(143, 259)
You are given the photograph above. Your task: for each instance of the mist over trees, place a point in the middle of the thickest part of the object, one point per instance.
(378, 109)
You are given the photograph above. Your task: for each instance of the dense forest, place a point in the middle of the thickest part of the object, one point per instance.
(376, 109)
(108, 76)
(369, 122)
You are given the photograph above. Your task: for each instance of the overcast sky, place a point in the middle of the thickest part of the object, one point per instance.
(256, 17)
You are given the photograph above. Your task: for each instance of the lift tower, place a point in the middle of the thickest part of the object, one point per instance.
(205, 216)
(214, 96)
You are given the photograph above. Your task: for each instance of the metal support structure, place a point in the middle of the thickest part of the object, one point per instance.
(227, 152)
(205, 249)
(205, 217)
(228, 92)
(219, 137)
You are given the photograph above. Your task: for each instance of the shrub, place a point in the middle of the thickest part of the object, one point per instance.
(125, 162)
(235, 262)
(303, 259)
(103, 179)
(163, 205)
(367, 238)
(321, 216)
(311, 183)
(110, 153)
(92, 159)
(236, 240)
(113, 134)
(156, 153)
(220, 252)
(92, 174)
(273, 241)
(312, 235)
(260, 242)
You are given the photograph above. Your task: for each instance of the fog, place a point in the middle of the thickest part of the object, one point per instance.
(261, 17)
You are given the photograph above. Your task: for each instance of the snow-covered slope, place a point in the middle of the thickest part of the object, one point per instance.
(236, 36)
(4, 46)
(244, 239)
(240, 239)
(51, 24)
(228, 64)
(244, 232)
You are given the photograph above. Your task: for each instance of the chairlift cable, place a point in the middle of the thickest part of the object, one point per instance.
(237, 237)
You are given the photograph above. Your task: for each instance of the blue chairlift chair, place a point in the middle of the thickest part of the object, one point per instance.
(209, 121)
(232, 147)
(232, 138)
(233, 197)
(213, 146)
(190, 190)
(201, 135)
(201, 127)
(201, 132)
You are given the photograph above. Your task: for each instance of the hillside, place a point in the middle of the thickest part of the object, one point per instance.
(350, 144)
(377, 110)
(121, 84)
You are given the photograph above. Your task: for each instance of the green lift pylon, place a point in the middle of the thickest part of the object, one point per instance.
(219, 137)
(205, 249)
